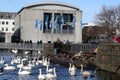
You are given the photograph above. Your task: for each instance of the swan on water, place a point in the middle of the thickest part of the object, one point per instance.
(73, 71)
(41, 76)
(85, 73)
(14, 51)
(24, 72)
(9, 67)
(51, 75)
(70, 67)
(49, 70)
(1, 60)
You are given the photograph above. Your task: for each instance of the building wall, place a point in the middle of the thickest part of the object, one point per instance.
(25, 20)
(7, 27)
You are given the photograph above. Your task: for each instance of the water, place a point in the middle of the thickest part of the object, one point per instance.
(62, 73)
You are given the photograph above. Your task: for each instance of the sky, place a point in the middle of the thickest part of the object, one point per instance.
(90, 8)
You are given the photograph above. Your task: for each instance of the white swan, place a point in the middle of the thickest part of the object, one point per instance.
(27, 67)
(70, 67)
(14, 51)
(23, 72)
(1, 60)
(41, 76)
(45, 62)
(50, 75)
(85, 73)
(21, 64)
(49, 70)
(9, 67)
(73, 71)
(31, 64)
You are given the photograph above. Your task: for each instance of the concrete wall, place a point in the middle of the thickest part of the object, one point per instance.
(27, 22)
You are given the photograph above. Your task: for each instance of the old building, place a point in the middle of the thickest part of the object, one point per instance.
(6, 26)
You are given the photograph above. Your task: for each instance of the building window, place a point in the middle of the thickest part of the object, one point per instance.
(2, 29)
(13, 23)
(9, 16)
(57, 17)
(68, 18)
(47, 19)
(3, 22)
(1, 16)
(12, 29)
(6, 29)
(6, 22)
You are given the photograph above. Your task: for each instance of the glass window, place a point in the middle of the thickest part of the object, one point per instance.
(6, 29)
(12, 29)
(13, 23)
(2, 29)
(59, 17)
(1, 16)
(47, 19)
(67, 17)
(3, 22)
(6, 22)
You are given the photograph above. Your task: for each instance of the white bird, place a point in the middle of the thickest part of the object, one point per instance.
(24, 72)
(85, 73)
(27, 67)
(41, 76)
(45, 62)
(9, 67)
(50, 75)
(14, 51)
(49, 70)
(73, 71)
(1, 60)
(70, 67)
(21, 64)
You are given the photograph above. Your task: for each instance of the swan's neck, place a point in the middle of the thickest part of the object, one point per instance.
(20, 70)
(40, 71)
(55, 72)
(81, 68)
(47, 68)
(70, 66)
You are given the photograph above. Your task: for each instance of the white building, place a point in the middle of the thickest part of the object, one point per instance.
(57, 19)
(6, 26)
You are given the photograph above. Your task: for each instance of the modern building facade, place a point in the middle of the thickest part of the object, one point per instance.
(6, 26)
(48, 21)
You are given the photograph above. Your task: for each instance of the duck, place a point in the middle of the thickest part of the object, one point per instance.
(41, 76)
(24, 72)
(9, 67)
(85, 73)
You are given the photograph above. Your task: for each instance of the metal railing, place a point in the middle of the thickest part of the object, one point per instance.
(22, 46)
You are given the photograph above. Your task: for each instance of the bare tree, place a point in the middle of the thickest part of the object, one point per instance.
(109, 17)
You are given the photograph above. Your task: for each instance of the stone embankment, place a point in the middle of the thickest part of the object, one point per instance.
(63, 59)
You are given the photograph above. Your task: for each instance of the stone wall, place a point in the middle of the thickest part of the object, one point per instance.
(108, 57)
(48, 49)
